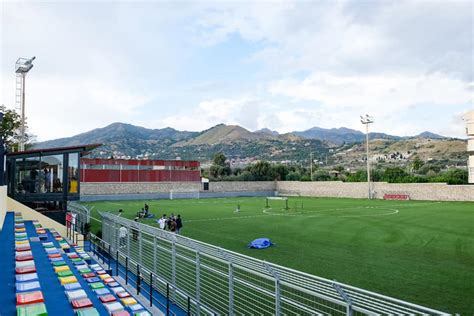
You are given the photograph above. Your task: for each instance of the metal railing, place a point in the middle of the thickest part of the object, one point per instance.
(229, 283)
(155, 289)
(83, 214)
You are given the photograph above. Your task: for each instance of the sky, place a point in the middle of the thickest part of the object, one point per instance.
(283, 65)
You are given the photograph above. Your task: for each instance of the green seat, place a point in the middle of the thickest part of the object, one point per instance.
(32, 310)
(97, 285)
(64, 273)
(88, 312)
(59, 263)
(83, 271)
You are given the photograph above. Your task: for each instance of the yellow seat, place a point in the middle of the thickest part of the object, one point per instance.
(129, 301)
(67, 280)
(21, 242)
(104, 276)
(61, 268)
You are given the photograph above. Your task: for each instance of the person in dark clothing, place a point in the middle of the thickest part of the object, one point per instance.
(172, 226)
(179, 224)
(135, 230)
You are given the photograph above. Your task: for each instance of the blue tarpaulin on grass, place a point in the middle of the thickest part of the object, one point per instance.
(260, 243)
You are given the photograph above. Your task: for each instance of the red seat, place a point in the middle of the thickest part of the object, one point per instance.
(107, 298)
(81, 303)
(24, 270)
(18, 249)
(54, 255)
(101, 272)
(29, 298)
(23, 257)
(88, 275)
(121, 313)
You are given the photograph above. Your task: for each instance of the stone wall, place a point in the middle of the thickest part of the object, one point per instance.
(417, 191)
(239, 186)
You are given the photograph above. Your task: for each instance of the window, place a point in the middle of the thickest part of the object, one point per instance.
(73, 173)
(52, 173)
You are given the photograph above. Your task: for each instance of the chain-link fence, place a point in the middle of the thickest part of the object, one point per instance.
(224, 282)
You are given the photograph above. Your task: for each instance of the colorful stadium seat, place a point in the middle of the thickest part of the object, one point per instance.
(88, 312)
(81, 303)
(121, 313)
(113, 284)
(25, 270)
(72, 286)
(26, 277)
(135, 307)
(68, 279)
(97, 285)
(32, 310)
(23, 257)
(102, 291)
(61, 268)
(29, 298)
(28, 286)
(129, 301)
(114, 307)
(107, 298)
(92, 280)
(65, 273)
(76, 294)
(123, 294)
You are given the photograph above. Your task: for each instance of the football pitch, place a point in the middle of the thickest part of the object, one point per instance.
(419, 251)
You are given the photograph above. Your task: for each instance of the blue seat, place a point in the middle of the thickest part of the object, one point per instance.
(26, 277)
(28, 286)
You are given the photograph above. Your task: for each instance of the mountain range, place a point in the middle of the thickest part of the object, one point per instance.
(120, 139)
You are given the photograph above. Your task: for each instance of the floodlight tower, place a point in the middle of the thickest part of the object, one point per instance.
(22, 67)
(366, 120)
(469, 118)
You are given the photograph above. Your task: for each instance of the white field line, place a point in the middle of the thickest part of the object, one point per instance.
(393, 211)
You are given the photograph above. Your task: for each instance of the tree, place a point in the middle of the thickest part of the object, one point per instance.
(219, 159)
(219, 166)
(9, 129)
(417, 164)
(281, 172)
(262, 171)
(394, 175)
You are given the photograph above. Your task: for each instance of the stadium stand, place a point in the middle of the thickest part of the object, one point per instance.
(46, 275)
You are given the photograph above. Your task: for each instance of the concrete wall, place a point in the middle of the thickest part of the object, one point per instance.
(30, 214)
(10, 205)
(417, 191)
(3, 204)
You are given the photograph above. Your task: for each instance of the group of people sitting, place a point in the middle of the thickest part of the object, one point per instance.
(145, 213)
(172, 223)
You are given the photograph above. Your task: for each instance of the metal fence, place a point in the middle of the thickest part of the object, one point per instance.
(83, 214)
(224, 282)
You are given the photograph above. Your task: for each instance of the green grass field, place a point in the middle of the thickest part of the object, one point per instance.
(418, 251)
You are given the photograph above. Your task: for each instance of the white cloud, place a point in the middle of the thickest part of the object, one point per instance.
(375, 92)
(341, 99)
(61, 107)
(243, 111)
